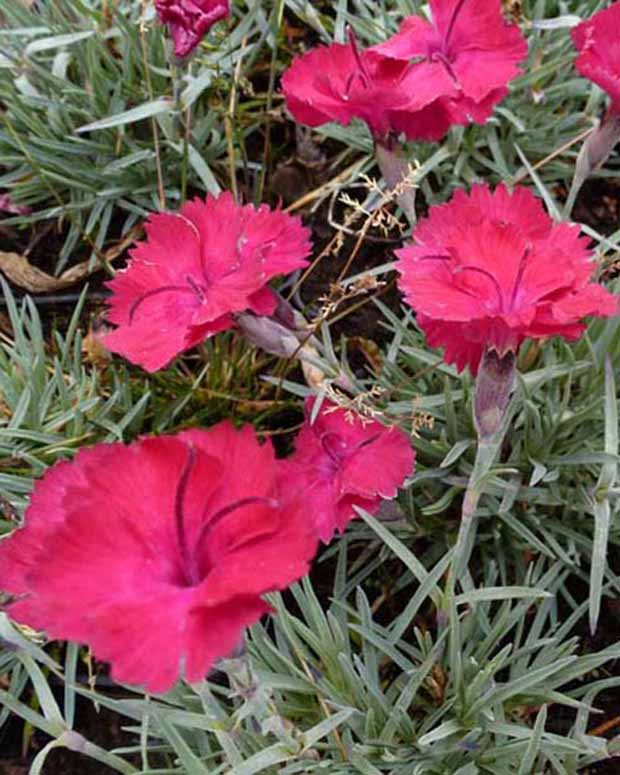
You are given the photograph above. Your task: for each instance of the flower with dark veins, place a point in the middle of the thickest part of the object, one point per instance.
(190, 20)
(468, 42)
(342, 460)
(157, 554)
(340, 82)
(196, 269)
(489, 269)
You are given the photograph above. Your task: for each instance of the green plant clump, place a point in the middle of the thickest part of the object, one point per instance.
(467, 628)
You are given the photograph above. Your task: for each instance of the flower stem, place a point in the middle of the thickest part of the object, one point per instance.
(181, 122)
(494, 413)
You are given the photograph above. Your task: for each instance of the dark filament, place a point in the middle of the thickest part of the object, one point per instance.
(368, 441)
(333, 454)
(521, 270)
(488, 275)
(452, 22)
(363, 72)
(196, 288)
(155, 292)
(189, 566)
(234, 506)
(191, 570)
(439, 56)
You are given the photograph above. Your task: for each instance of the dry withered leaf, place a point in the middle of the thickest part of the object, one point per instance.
(5, 324)
(93, 349)
(22, 273)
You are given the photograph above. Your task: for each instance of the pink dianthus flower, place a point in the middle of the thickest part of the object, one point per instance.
(420, 81)
(598, 41)
(340, 83)
(157, 553)
(342, 460)
(469, 42)
(190, 20)
(489, 269)
(197, 268)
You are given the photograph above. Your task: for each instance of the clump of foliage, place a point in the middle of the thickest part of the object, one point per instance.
(465, 629)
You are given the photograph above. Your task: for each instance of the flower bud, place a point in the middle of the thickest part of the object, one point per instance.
(494, 385)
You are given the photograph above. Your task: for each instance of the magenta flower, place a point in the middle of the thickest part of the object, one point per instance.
(468, 42)
(196, 269)
(157, 553)
(190, 20)
(420, 81)
(598, 41)
(341, 461)
(490, 269)
(340, 83)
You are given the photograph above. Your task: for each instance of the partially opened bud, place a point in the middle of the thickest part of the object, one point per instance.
(494, 385)
(594, 152)
(268, 334)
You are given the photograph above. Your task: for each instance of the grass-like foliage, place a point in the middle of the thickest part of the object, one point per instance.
(416, 645)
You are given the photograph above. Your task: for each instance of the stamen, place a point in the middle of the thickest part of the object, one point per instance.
(520, 272)
(366, 442)
(451, 23)
(189, 566)
(439, 56)
(271, 503)
(195, 287)
(329, 442)
(155, 292)
(488, 275)
(349, 84)
(364, 74)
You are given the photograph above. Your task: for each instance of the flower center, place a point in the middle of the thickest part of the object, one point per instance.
(484, 273)
(338, 450)
(440, 56)
(335, 448)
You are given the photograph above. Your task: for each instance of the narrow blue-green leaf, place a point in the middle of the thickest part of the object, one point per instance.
(598, 562)
(57, 41)
(499, 593)
(146, 110)
(533, 747)
(324, 728)
(269, 757)
(399, 549)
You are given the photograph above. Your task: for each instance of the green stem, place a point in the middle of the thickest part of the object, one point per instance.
(181, 126)
(489, 446)
(277, 23)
